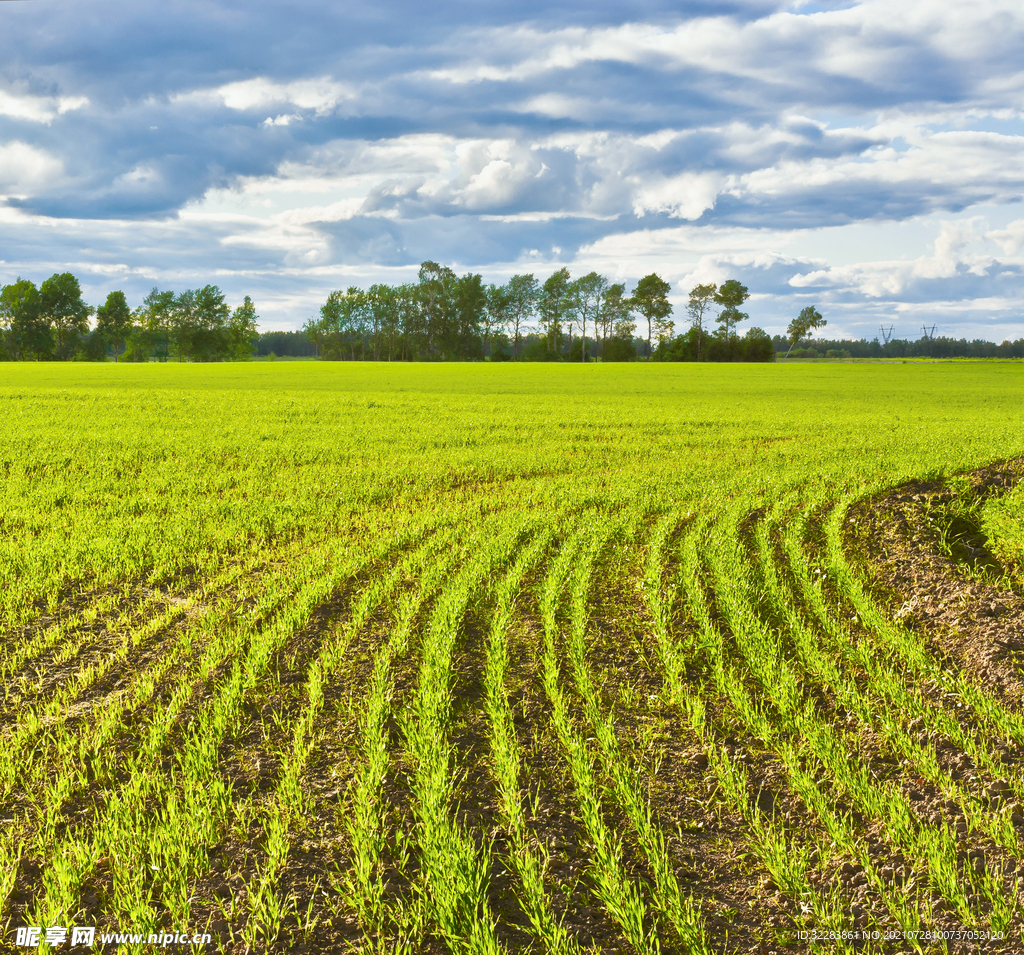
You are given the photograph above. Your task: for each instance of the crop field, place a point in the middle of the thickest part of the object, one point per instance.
(501, 658)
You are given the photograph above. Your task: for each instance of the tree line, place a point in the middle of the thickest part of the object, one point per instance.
(443, 316)
(925, 347)
(52, 323)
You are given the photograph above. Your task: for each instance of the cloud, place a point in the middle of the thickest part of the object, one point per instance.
(1011, 238)
(21, 105)
(321, 95)
(888, 279)
(699, 139)
(24, 168)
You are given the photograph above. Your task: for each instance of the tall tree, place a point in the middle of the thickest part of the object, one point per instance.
(699, 307)
(212, 315)
(650, 299)
(183, 325)
(60, 301)
(470, 305)
(808, 319)
(408, 320)
(554, 303)
(496, 313)
(523, 294)
(243, 330)
(380, 303)
(28, 333)
(114, 321)
(437, 293)
(731, 295)
(586, 295)
(158, 309)
(340, 324)
(617, 313)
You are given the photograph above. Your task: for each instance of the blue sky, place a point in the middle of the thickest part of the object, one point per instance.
(864, 157)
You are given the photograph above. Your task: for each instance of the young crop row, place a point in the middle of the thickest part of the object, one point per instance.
(447, 670)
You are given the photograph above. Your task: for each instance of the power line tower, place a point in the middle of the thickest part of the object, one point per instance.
(929, 334)
(886, 333)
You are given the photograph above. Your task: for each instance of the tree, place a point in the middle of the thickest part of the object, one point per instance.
(159, 309)
(211, 317)
(650, 299)
(619, 349)
(381, 308)
(60, 301)
(553, 305)
(586, 295)
(28, 333)
(523, 295)
(340, 324)
(731, 295)
(114, 321)
(437, 294)
(497, 313)
(407, 319)
(181, 320)
(807, 320)
(243, 329)
(699, 307)
(470, 305)
(617, 313)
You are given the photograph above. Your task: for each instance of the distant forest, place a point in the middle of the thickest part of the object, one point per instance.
(440, 317)
(926, 346)
(52, 323)
(448, 317)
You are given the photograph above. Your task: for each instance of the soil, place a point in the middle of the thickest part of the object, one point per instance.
(932, 570)
(925, 561)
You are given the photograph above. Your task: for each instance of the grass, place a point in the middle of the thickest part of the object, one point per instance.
(1003, 524)
(494, 658)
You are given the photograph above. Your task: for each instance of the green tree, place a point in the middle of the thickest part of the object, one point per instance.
(470, 305)
(211, 337)
(243, 330)
(619, 349)
(340, 324)
(114, 321)
(496, 313)
(614, 306)
(554, 303)
(408, 319)
(699, 308)
(731, 295)
(523, 295)
(158, 311)
(617, 313)
(808, 319)
(586, 295)
(183, 324)
(382, 315)
(60, 301)
(650, 299)
(27, 332)
(437, 296)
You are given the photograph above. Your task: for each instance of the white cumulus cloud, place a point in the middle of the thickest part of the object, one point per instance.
(37, 109)
(24, 167)
(321, 95)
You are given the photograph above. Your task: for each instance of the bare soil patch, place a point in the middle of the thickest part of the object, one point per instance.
(930, 567)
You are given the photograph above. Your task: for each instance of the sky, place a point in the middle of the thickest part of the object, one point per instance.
(866, 158)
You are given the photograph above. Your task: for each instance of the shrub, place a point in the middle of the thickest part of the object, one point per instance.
(619, 349)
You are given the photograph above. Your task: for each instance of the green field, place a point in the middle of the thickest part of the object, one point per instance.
(495, 658)
(1003, 523)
